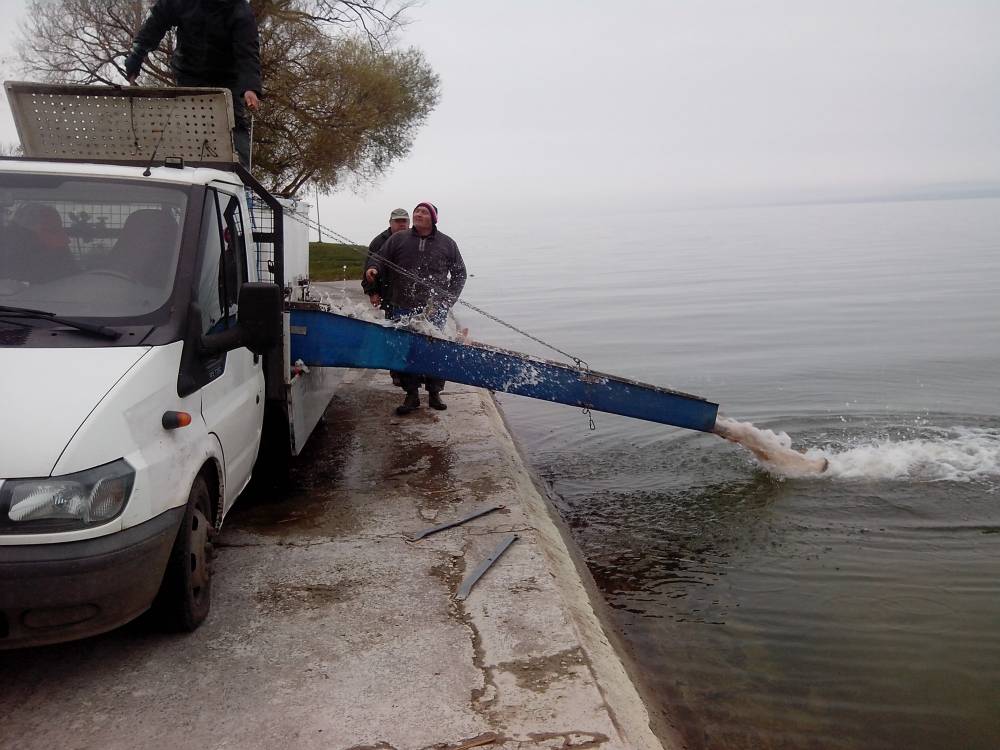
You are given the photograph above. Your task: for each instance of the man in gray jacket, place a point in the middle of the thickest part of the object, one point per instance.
(379, 293)
(422, 254)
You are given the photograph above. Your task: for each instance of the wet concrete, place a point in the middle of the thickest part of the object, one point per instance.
(329, 629)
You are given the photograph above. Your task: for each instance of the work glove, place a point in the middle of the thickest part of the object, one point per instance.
(133, 64)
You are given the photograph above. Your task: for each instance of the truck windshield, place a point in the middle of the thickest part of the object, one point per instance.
(88, 248)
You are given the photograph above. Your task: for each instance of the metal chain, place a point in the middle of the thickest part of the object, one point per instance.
(250, 157)
(309, 222)
(580, 363)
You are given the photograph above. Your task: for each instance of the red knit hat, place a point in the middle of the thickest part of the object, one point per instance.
(433, 210)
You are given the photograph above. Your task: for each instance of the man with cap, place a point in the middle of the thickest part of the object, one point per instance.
(426, 274)
(378, 292)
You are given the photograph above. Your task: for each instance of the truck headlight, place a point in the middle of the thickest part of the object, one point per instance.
(71, 501)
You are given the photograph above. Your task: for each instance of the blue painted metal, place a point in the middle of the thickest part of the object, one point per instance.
(323, 339)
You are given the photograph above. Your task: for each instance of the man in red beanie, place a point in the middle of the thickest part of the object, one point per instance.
(427, 255)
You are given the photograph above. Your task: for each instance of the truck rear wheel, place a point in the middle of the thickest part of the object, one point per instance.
(185, 595)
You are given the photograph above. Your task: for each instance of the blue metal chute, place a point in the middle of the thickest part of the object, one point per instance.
(323, 339)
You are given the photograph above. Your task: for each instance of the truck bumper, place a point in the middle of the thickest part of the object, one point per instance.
(58, 592)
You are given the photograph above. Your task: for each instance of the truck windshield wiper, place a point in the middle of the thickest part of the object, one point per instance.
(26, 312)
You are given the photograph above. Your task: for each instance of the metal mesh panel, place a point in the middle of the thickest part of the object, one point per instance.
(109, 124)
(262, 218)
(91, 228)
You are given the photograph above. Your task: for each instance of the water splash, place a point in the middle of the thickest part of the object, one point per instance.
(772, 449)
(958, 454)
(350, 307)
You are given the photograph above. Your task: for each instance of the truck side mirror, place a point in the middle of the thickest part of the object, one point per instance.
(259, 316)
(258, 322)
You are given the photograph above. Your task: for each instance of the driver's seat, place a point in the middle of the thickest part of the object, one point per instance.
(145, 248)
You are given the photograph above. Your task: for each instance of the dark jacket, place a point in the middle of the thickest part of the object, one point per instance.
(434, 258)
(24, 258)
(217, 43)
(373, 247)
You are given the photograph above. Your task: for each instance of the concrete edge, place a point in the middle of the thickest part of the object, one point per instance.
(614, 672)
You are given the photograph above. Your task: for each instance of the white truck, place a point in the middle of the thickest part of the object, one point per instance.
(144, 353)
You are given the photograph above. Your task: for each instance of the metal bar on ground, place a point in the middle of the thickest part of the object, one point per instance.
(459, 522)
(475, 575)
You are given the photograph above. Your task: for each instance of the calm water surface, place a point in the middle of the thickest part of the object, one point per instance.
(861, 611)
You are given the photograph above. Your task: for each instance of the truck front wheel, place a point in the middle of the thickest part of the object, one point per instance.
(185, 595)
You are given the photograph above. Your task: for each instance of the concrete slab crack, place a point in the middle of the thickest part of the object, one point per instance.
(574, 740)
(481, 699)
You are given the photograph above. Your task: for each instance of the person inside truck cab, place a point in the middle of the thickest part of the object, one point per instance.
(37, 245)
(217, 45)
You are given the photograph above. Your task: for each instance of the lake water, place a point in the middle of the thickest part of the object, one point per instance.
(856, 610)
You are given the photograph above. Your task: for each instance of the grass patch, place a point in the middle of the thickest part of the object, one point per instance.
(327, 261)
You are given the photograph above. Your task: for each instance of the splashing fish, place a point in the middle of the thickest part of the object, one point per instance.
(772, 449)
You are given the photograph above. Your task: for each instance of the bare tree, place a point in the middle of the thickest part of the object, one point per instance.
(340, 100)
(379, 20)
(84, 41)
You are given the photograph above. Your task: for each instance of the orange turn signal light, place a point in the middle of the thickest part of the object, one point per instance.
(173, 419)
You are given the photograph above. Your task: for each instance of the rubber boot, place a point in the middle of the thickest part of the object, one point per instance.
(434, 401)
(410, 403)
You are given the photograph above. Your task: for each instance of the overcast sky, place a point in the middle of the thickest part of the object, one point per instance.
(561, 105)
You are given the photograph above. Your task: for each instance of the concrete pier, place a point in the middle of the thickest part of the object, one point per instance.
(331, 629)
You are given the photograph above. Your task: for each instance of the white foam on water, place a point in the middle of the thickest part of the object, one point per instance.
(958, 454)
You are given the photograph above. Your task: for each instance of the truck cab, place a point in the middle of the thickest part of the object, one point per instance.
(142, 337)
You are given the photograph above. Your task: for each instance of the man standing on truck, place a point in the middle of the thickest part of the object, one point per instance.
(431, 277)
(217, 46)
(378, 292)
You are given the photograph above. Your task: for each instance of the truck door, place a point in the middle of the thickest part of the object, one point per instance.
(232, 402)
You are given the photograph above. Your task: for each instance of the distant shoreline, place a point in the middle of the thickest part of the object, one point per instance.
(985, 193)
(335, 261)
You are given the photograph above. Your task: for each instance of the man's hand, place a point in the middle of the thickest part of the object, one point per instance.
(252, 102)
(376, 299)
(370, 275)
(133, 64)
